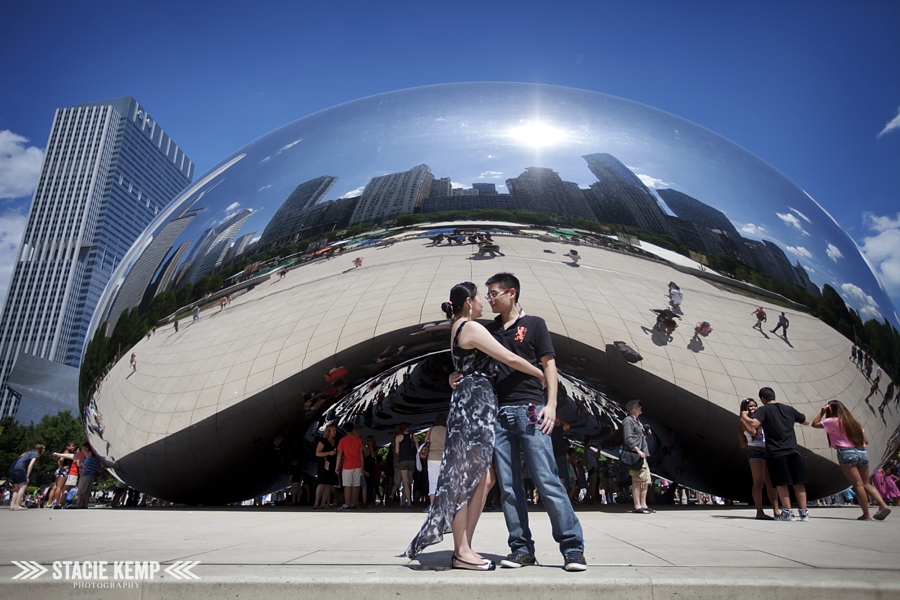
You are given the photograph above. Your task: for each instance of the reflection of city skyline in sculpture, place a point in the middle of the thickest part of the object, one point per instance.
(134, 290)
(211, 251)
(619, 197)
(303, 337)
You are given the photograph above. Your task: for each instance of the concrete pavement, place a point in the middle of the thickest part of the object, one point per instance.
(299, 553)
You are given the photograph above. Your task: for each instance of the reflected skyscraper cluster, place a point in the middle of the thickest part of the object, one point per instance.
(309, 340)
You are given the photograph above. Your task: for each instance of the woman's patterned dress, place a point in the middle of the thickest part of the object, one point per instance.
(469, 446)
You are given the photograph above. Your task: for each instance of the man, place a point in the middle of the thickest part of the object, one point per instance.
(349, 464)
(524, 423)
(636, 441)
(783, 324)
(89, 469)
(782, 455)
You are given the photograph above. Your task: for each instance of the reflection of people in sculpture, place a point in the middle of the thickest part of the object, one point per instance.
(760, 315)
(783, 324)
(703, 328)
(466, 475)
(133, 362)
(675, 295)
(485, 248)
(573, 254)
(665, 320)
(357, 262)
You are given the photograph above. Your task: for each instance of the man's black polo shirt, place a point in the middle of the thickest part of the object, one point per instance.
(529, 338)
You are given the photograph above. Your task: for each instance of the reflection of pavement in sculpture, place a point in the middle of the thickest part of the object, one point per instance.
(236, 377)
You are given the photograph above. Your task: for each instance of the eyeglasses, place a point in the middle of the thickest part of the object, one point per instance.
(495, 294)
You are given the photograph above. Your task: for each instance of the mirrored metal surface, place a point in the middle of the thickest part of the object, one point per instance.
(249, 321)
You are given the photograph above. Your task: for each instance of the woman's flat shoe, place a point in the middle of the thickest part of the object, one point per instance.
(642, 511)
(764, 518)
(459, 563)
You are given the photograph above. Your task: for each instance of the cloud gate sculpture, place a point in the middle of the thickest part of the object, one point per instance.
(252, 323)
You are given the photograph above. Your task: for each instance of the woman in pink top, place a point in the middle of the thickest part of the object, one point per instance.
(846, 435)
(885, 485)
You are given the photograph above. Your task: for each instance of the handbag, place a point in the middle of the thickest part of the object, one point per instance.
(632, 460)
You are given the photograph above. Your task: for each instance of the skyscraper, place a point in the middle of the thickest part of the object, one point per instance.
(289, 216)
(109, 168)
(394, 194)
(549, 193)
(622, 197)
(215, 244)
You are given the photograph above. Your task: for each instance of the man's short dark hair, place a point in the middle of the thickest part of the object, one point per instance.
(767, 394)
(506, 280)
(349, 428)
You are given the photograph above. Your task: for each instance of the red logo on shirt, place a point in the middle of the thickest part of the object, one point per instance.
(520, 336)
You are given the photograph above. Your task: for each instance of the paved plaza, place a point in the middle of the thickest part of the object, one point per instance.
(275, 553)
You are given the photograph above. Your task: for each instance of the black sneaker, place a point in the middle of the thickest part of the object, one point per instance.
(575, 560)
(520, 558)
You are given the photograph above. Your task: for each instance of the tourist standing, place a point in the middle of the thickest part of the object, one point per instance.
(466, 475)
(526, 419)
(847, 436)
(635, 435)
(782, 454)
(753, 439)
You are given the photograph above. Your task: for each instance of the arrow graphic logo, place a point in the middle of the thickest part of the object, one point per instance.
(30, 569)
(181, 569)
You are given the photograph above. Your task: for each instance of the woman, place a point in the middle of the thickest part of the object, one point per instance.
(886, 486)
(62, 474)
(702, 328)
(846, 435)
(465, 473)
(327, 476)
(754, 441)
(20, 473)
(405, 450)
(434, 440)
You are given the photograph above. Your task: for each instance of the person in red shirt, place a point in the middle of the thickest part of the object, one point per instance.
(350, 463)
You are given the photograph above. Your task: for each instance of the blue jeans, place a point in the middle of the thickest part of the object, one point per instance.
(515, 435)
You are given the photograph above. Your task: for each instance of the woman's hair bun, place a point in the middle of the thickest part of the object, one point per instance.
(447, 308)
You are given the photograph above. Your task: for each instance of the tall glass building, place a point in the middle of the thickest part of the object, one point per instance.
(108, 170)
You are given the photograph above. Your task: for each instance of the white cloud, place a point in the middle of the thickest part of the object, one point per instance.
(266, 159)
(20, 165)
(833, 252)
(232, 207)
(491, 175)
(352, 193)
(289, 146)
(800, 251)
(800, 214)
(12, 226)
(652, 182)
(456, 186)
(882, 249)
(791, 220)
(856, 293)
(871, 312)
(265, 187)
(753, 229)
(891, 126)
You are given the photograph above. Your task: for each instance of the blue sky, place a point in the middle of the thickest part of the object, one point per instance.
(813, 88)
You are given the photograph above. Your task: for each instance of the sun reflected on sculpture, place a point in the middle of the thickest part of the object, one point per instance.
(538, 134)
